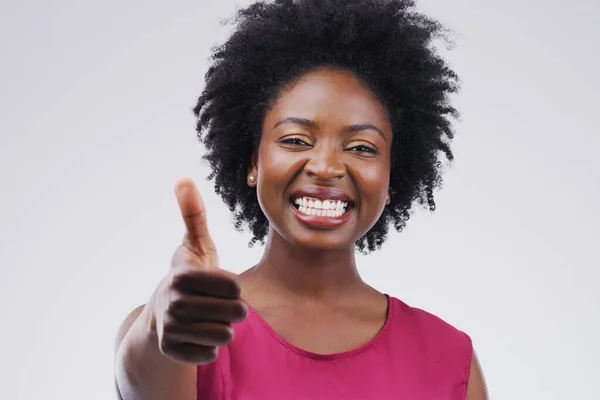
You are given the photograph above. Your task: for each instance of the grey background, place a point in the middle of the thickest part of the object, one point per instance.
(96, 127)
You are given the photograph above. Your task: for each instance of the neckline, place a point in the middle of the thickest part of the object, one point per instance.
(391, 311)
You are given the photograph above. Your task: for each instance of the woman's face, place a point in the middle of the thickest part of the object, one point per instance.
(323, 165)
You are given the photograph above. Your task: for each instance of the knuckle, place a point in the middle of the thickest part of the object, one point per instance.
(189, 353)
(210, 354)
(178, 278)
(204, 355)
(224, 336)
(177, 305)
(166, 346)
(239, 311)
(170, 326)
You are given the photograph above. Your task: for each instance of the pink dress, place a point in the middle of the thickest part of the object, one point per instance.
(416, 356)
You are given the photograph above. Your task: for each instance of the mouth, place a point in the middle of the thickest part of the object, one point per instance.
(321, 207)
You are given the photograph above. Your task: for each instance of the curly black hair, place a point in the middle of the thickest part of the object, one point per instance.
(387, 44)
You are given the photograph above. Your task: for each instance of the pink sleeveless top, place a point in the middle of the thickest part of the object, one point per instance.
(416, 356)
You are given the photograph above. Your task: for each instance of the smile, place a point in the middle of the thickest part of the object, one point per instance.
(321, 213)
(320, 208)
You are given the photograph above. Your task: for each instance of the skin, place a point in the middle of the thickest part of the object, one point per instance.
(308, 277)
(325, 130)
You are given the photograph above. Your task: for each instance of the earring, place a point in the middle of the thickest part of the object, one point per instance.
(252, 179)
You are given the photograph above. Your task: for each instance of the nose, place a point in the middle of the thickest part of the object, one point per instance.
(325, 163)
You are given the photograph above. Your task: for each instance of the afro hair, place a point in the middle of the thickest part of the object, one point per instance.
(387, 44)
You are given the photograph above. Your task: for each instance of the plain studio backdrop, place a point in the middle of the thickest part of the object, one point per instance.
(96, 127)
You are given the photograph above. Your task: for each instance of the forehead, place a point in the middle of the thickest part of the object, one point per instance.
(327, 96)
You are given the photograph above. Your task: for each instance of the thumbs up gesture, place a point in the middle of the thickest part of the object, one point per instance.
(196, 303)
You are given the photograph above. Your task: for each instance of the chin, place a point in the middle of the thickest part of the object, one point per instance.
(320, 242)
(305, 236)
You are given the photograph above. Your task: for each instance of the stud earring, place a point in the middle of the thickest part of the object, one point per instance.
(252, 179)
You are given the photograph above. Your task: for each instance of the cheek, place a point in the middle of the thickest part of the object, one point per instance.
(374, 182)
(273, 162)
(277, 168)
(273, 165)
(371, 176)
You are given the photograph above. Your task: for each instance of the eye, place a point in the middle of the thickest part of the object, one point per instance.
(363, 149)
(294, 142)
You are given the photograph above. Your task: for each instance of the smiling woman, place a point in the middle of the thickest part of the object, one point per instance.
(323, 123)
(326, 138)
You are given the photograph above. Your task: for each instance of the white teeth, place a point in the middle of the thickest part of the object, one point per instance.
(321, 204)
(321, 208)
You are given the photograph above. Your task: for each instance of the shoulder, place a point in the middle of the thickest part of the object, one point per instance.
(428, 325)
(437, 341)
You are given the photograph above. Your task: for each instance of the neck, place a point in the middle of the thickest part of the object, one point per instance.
(310, 274)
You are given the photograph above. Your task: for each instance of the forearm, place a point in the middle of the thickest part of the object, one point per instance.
(143, 372)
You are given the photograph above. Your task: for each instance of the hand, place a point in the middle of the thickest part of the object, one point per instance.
(195, 304)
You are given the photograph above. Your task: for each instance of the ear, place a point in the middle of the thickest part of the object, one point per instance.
(252, 176)
(388, 199)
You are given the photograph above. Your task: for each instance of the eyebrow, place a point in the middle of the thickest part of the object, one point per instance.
(298, 121)
(311, 124)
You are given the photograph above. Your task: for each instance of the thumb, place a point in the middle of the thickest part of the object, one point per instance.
(193, 212)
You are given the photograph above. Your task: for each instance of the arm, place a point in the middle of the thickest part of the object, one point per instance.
(123, 329)
(142, 371)
(160, 345)
(476, 389)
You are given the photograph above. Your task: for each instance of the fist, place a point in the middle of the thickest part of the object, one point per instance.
(196, 302)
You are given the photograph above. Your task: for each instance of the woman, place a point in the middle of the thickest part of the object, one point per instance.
(323, 121)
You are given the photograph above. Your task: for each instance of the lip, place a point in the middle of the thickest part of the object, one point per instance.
(321, 193)
(320, 222)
